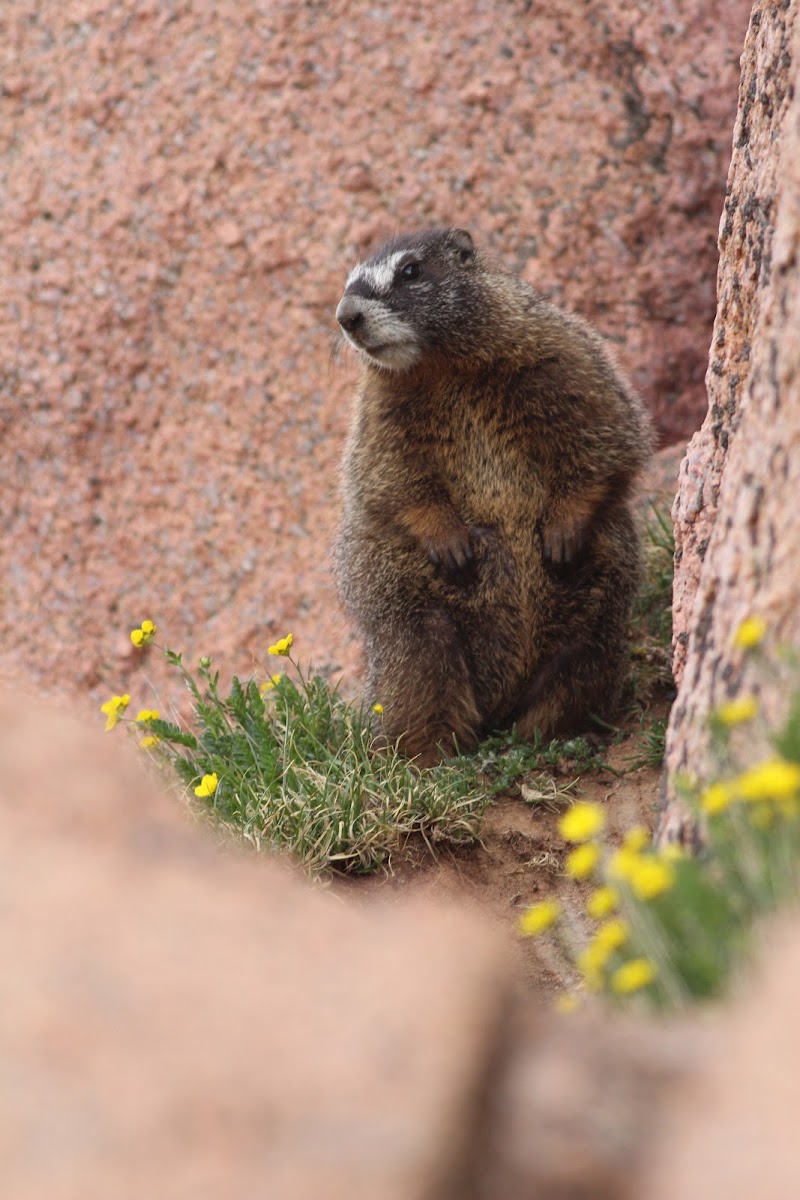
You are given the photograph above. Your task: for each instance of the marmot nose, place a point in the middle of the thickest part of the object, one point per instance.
(349, 315)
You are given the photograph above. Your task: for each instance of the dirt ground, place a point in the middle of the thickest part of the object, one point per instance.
(519, 858)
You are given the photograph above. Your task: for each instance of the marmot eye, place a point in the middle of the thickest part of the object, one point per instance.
(411, 270)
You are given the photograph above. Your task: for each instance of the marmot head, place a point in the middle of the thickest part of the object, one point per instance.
(411, 299)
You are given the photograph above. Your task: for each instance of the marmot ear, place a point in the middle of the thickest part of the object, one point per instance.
(464, 244)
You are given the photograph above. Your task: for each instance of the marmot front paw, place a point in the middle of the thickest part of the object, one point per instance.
(455, 551)
(562, 543)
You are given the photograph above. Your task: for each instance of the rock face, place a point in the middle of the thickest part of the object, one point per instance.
(732, 1132)
(181, 1021)
(184, 189)
(737, 516)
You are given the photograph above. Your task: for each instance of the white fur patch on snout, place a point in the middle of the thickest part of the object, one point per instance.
(384, 337)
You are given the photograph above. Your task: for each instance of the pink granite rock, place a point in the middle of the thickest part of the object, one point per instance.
(737, 513)
(746, 233)
(177, 1020)
(184, 190)
(180, 1018)
(183, 1019)
(732, 1132)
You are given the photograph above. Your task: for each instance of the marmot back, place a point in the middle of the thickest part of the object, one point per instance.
(487, 552)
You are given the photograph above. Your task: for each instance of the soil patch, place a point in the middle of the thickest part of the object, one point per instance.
(519, 857)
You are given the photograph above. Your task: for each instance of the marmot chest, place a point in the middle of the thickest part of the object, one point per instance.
(486, 462)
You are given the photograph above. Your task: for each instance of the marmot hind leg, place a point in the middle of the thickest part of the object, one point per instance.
(420, 675)
(577, 683)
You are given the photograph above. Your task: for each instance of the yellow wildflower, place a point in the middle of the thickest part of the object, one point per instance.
(650, 877)
(147, 714)
(539, 917)
(144, 634)
(716, 798)
(590, 963)
(750, 633)
(636, 839)
(772, 779)
(633, 975)
(582, 861)
(673, 852)
(593, 959)
(149, 741)
(736, 712)
(283, 646)
(377, 708)
(272, 682)
(114, 708)
(612, 934)
(208, 785)
(602, 902)
(582, 822)
(622, 864)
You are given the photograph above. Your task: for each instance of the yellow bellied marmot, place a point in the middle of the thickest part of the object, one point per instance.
(487, 551)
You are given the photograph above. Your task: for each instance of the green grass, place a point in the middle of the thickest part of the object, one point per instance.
(651, 622)
(653, 744)
(288, 764)
(653, 608)
(297, 768)
(504, 759)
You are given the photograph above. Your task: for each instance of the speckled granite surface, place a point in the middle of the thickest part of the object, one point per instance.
(184, 189)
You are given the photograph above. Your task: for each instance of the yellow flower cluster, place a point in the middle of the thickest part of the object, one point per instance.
(539, 917)
(602, 902)
(636, 869)
(750, 633)
(636, 839)
(647, 875)
(377, 708)
(143, 635)
(144, 716)
(582, 822)
(582, 861)
(633, 975)
(737, 712)
(207, 786)
(114, 708)
(774, 783)
(629, 976)
(282, 646)
(608, 938)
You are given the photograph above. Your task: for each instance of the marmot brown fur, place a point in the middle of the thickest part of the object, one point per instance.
(487, 552)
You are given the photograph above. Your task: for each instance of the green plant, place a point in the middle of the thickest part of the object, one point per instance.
(653, 609)
(669, 928)
(288, 763)
(653, 744)
(651, 622)
(504, 759)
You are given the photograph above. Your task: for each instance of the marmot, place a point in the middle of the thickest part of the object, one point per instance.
(487, 551)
